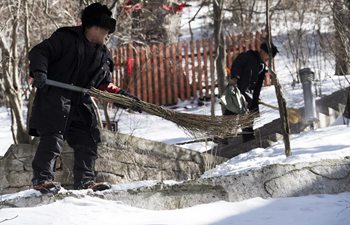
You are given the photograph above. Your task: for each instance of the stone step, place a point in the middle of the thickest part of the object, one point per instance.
(341, 108)
(329, 108)
(232, 148)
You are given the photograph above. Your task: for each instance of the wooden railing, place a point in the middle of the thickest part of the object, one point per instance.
(163, 73)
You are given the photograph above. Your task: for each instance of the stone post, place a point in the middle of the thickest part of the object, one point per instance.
(306, 77)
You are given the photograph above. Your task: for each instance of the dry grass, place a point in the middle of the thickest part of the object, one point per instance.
(198, 125)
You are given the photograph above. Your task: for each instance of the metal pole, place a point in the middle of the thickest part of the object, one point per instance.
(306, 78)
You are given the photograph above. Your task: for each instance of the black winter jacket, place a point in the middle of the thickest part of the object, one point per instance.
(63, 58)
(250, 72)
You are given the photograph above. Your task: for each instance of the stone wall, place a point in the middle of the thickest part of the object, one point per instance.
(122, 158)
(273, 181)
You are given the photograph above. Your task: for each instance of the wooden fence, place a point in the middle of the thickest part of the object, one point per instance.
(163, 73)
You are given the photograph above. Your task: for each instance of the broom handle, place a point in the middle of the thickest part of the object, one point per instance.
(268, 105)
(67, 86)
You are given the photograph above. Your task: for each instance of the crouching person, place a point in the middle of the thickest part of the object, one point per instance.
(73, 55)
(247, 74)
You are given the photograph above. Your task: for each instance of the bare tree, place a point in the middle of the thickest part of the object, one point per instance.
(219, 44)
(147, 22)
(341, 20)
(282, 104)
(10, 69)
(25, 23)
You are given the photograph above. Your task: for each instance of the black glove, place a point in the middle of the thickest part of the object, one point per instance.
(136, 104)
(39, 79)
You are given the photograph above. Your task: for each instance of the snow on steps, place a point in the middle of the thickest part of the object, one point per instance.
(329, 108)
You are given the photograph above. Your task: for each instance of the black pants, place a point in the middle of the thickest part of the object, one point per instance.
(81, 138)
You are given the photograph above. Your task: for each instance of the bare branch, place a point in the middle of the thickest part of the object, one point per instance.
(2, 221)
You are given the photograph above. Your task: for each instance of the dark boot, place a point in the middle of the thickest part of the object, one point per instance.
(101, 186)
(248, 134)
(47, 187)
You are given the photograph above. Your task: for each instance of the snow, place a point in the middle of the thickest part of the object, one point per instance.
(327, 143)
(5, 130)
(310, 210)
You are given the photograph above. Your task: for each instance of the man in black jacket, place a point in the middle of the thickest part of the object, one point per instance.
(78, 56)
(248, 73)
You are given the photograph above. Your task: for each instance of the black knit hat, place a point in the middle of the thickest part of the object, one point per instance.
(98, 15)
(274, 49)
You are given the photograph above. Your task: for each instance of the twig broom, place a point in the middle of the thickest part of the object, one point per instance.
(220, 126)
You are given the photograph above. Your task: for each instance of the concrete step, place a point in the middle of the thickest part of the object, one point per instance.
(323, 120)
(232, 150)
(235, 146)
(341, 108)
(328, 108)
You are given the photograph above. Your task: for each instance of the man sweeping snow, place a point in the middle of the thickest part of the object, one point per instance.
(72, 55)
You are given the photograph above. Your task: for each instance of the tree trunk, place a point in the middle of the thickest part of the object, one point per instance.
(341, 40)
(27, 47)
(281, 101)
(220, 47)
(12, 85)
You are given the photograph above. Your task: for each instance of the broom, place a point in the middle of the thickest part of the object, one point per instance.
(220, 126)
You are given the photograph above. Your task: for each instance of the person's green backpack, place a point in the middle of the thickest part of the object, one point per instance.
(233, 100)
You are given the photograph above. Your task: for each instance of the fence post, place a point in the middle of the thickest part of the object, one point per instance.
(167, 69)
(187, 83)
(240, 44)
(246, 41)
(205, 64)
(131, 73)
(121, 65)
(116, 71)
(155, 75)
(138, 73)
(174, 73)
(149, 75)
(234, 48)
(200, 85)
(194, 80)
(212, 69)
(180, 76)
(251, 41)
(126, 76)
(161, 74)
(257, 40)
(144, 74)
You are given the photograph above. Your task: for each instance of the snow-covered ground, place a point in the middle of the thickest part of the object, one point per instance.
(5, 130)
(327, 143)
(309, 210)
